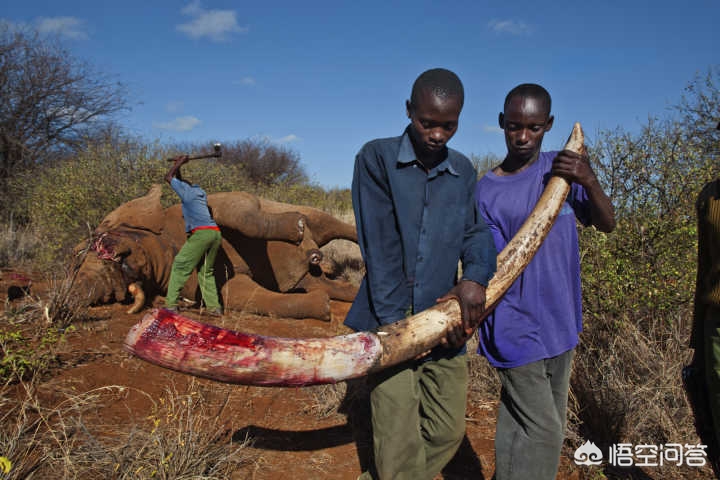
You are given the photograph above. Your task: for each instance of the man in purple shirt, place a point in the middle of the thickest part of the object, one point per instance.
(531, 335)
(414, 206)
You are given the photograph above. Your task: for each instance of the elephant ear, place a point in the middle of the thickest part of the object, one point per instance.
(144, 213)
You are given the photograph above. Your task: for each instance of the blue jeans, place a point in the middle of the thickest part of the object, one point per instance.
(532, 417)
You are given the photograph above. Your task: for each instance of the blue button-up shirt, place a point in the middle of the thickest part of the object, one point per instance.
(194, 205)
(413, 228)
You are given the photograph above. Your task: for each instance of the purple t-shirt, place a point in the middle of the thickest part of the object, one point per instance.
(540, 316)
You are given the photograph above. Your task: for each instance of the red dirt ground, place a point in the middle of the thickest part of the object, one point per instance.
(291, 440)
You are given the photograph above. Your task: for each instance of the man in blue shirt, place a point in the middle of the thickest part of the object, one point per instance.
(416, 218)
(201, 245)
(531, 335)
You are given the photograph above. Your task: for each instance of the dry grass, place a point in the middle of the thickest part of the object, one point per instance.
(183, 438)
(63, 434)
(18, 244)
(326, 399)
(58, 307)
(626, 387)
(484, 383)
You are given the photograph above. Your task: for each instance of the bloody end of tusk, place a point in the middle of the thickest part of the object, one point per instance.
(168, 339)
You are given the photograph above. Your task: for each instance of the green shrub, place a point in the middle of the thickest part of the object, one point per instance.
(62, 203)
(639, 282)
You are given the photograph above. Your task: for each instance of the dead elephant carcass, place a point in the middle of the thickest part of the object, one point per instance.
(270, 260)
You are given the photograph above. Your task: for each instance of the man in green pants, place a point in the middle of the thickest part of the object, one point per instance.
(413, 199)
(201, 246)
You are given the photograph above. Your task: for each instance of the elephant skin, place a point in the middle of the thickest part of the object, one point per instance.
(269, 263)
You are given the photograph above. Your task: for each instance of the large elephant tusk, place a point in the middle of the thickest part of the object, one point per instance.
(138, 294)
(172, 341)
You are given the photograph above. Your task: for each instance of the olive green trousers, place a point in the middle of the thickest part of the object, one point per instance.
(711, 354)
(418, 418)
(201, 246)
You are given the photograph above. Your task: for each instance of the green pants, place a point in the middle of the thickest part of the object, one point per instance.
(418, 418)
(201, 246)
(711, 355)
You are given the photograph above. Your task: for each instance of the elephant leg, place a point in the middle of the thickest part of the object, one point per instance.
(326, 227)
(336, 289)
(243, 294)
(242, 212)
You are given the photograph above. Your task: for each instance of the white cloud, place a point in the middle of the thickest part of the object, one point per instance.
(282, 140)
(288, 138)
(248, 81)
(69, 27)
(513, 27)
(193, 8)
(214, 24)
(180, 124)
(492, 129)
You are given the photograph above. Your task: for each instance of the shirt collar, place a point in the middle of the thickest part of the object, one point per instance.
(406, 156)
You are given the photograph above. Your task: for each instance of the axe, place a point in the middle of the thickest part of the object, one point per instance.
(217, 153)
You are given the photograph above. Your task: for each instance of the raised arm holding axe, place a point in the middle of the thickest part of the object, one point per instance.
(203, 240)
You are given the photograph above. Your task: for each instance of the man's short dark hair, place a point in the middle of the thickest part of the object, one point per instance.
(530, 90)
(441, 83)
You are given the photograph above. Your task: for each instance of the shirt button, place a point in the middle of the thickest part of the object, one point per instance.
(420, 259)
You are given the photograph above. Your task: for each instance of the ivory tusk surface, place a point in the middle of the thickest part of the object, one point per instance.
(138, 294)
(173, 341)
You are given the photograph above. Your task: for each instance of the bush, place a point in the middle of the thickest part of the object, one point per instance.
(63, 203)
(638, 284)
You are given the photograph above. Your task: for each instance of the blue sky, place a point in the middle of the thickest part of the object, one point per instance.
(322, 78)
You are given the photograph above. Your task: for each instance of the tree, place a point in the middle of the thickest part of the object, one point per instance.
(49, 101)
(265, 163)
(646, 268)
(699, 109)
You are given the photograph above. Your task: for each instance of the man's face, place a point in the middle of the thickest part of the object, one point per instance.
(434, 121)
(525, 122)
